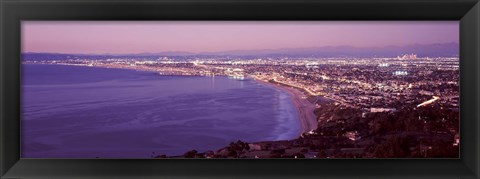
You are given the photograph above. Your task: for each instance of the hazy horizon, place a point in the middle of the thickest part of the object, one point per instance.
(205, 52)
(109, 37)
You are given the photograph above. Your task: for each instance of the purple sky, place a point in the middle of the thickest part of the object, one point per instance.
(204, 36)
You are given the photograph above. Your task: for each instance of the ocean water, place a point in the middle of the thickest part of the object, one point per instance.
(89, 112)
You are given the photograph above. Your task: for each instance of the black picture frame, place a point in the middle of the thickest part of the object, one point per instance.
(12, 12)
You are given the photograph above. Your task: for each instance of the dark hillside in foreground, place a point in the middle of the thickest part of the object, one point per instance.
(345, 132)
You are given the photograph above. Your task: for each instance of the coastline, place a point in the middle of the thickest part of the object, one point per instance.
(304, 108)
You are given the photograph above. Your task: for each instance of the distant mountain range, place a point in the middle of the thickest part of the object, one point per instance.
(430, 50)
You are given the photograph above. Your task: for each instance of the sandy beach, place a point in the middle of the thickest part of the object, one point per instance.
(304, 108)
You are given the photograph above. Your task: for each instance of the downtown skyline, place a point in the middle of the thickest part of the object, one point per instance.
(240, 89)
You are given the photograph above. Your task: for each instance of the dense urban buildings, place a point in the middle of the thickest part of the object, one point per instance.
(406, 106)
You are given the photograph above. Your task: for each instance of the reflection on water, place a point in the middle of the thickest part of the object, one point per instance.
(85, 112)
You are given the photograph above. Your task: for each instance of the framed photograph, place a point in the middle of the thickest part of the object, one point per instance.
(239, 89)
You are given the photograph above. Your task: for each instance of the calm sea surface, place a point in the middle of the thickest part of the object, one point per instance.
(87, 112)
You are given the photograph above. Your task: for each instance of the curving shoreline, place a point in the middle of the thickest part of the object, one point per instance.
(304, 108)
